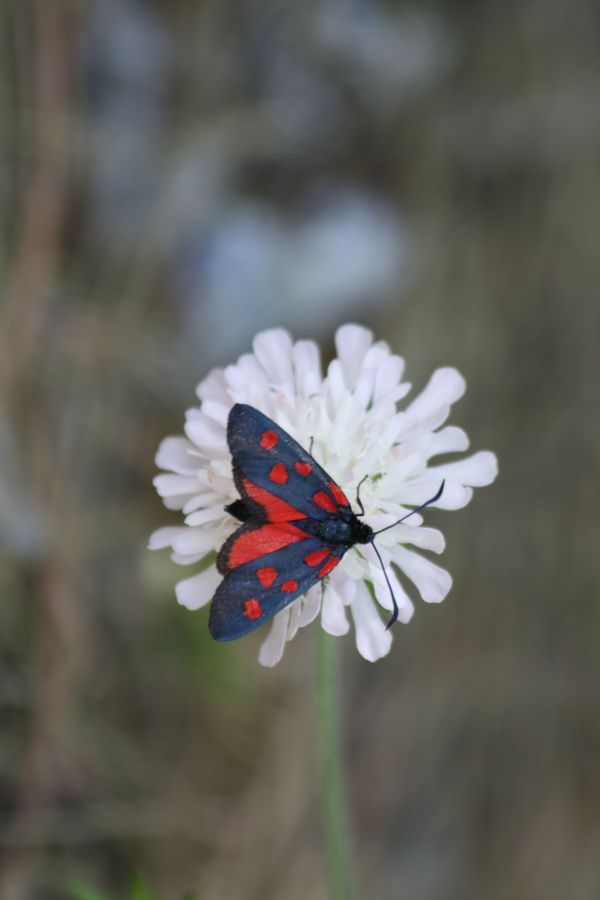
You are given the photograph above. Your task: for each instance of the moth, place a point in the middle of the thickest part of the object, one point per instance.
(296, 526)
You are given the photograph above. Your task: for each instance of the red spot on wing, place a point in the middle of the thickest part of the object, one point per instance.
(258, 542)
(276, 510)
(303, 468)
(268, 439)
(329, 565)
(252, 609)
(316, 557)
(279, 473)
(324, 501)
(267, 576)
(338, 494)
(289, 586)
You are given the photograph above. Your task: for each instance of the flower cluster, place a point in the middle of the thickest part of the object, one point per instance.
(351, 415)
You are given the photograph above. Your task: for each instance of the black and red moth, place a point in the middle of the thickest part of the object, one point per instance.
(297, 524)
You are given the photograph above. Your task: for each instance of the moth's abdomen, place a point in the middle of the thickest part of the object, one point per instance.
(333, 531)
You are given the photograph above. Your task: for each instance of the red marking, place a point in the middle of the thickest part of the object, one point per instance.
(267, 576)
(277, 510)
(289, 586)
(316, 557)
(279, 473)
(324, 501)
(303, 468)
(259, 541)
(338, 494)
(329, 565)
(252, 609)
(269, 439)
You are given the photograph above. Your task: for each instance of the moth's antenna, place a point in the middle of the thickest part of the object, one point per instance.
(413, 511)
(358, 500)
(395, 610)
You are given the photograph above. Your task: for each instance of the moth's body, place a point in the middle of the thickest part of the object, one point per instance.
(343, 531)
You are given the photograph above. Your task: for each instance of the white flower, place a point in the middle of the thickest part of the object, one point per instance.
(352, 416)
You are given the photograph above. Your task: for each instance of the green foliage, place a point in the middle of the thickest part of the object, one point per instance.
(82, 892)
(139, 890)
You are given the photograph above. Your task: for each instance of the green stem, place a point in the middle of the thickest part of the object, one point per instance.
(335, 811)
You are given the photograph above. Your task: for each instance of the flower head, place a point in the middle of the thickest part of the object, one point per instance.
(352, 418)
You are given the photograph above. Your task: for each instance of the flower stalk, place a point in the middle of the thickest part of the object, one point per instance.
(333, 794)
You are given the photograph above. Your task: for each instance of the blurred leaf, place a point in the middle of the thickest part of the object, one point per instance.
(140, 889)
(81, 892)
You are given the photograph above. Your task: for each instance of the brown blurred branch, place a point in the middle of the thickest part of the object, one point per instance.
(42, 214)
(31, 283)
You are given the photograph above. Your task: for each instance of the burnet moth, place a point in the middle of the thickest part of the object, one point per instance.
(297, 524)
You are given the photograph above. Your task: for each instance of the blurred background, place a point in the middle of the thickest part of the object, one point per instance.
(175, 176)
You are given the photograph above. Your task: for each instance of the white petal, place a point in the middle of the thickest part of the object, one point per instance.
(372, 639)
(392, 397)
(415, 428)
(197, 591)
(272, 647)
(200, 501)
(239, 378)
(249, 383)
(389, 374)
(475, 471)
(218, 412)
(203, 516)
(294, 622)
(306, 359)
(449, 440)
(432, 582)
(376, 356)
(175, 485)
(443, 389)
(214, 387)
(273, 349)
(333, 615)
(402, 468)
(382, 592)
(335, 385)
(195, 540)
(164, 537)
(174, 454)
(311, 605)
(176, 502)
(187, 560)
(206, 434)
(424, 538)
(345, 586)
(352, 342)
(454, 495)
(352, 565)
(363, 389)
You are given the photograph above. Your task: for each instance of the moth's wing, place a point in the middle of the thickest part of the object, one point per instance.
(256, 539)
(275, 476)
(257, 588)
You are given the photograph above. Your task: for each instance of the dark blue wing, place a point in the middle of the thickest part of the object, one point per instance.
(256, 589)
(268, 463)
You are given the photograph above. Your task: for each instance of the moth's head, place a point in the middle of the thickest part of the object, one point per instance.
(362, 533)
